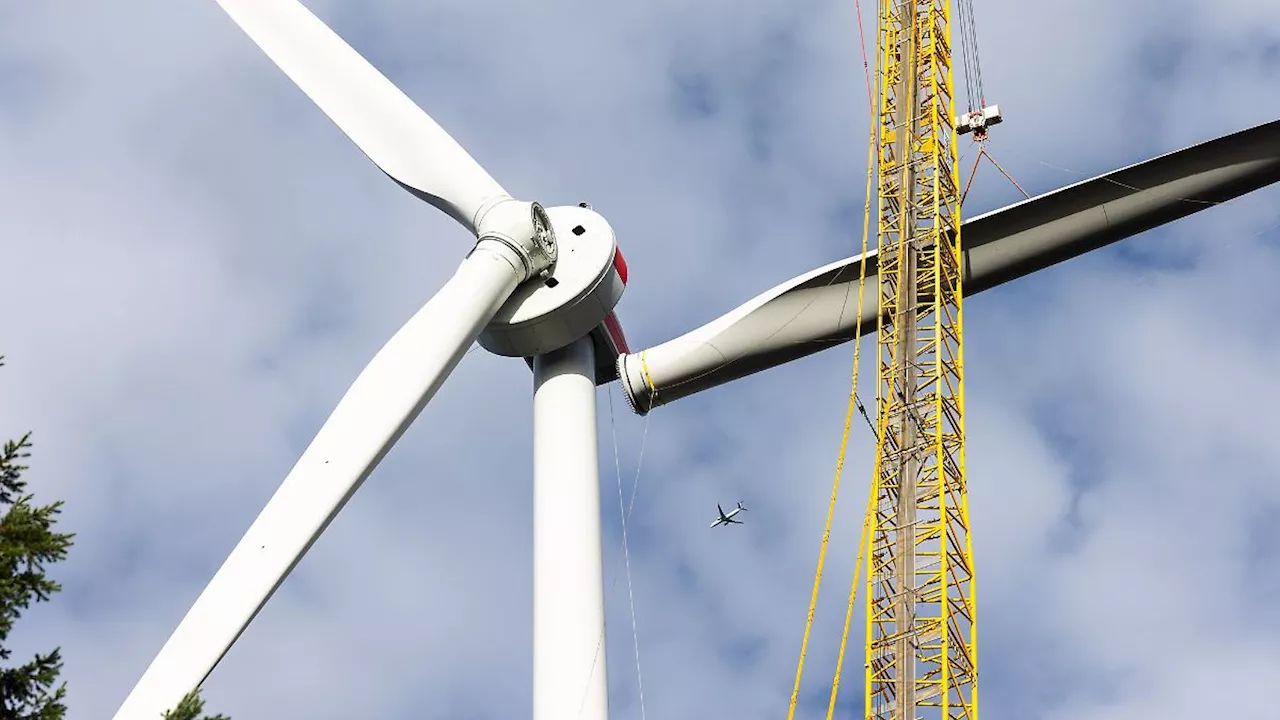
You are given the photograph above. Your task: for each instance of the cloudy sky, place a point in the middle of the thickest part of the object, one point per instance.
(197, 264)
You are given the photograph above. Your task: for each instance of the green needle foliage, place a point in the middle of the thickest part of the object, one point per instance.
(190, 709)
(28, 544)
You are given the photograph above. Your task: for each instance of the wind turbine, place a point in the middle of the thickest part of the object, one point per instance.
(541, 284)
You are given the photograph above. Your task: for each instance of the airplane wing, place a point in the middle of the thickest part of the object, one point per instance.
(735, 522)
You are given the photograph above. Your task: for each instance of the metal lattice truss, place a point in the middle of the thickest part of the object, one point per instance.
(921, 659)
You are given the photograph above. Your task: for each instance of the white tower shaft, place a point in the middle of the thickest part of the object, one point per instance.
(569, 671)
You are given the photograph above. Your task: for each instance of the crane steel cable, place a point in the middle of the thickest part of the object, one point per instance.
(969, 55)
(982, 152)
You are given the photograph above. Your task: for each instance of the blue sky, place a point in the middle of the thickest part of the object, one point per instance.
(198, 264)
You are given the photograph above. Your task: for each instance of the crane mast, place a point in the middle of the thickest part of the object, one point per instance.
(921, 653)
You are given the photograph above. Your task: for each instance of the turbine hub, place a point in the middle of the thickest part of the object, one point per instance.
(526, 229)
(572, 299)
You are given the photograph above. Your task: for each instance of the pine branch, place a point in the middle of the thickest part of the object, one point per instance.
(28, 544)
(190, 709)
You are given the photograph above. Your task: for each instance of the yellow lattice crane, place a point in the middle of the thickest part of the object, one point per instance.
(921, 630)
(921, 657)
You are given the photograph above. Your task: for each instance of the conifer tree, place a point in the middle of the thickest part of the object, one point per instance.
(190, 709)
(28, 543)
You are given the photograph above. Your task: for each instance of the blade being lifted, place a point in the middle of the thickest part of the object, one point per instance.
(818, 310)
(383, 122)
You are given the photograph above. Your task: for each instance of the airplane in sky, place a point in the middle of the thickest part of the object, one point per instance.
(728, 519)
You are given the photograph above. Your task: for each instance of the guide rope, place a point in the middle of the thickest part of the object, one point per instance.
(624, 513)
(626, 554)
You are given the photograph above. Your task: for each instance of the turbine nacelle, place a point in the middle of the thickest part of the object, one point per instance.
(574, 298)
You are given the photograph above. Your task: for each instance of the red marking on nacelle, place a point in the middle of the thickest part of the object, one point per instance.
(613, 327)
(620, 265)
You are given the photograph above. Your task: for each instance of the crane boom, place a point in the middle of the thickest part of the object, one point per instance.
(921, 654)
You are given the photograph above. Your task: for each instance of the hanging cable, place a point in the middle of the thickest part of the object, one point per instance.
(974, 172)
(624, 514)
(866, 65)
(1007, 175)
(853, 595)
(863, 410)
(1126, 186)
(982, 152)
(966, 60)
(976, 95)
(626, 518)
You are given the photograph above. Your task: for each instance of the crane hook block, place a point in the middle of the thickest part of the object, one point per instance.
(978, 121)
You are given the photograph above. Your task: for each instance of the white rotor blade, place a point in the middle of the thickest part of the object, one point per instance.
(383, 122)
(376, 410)
(818, 310)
